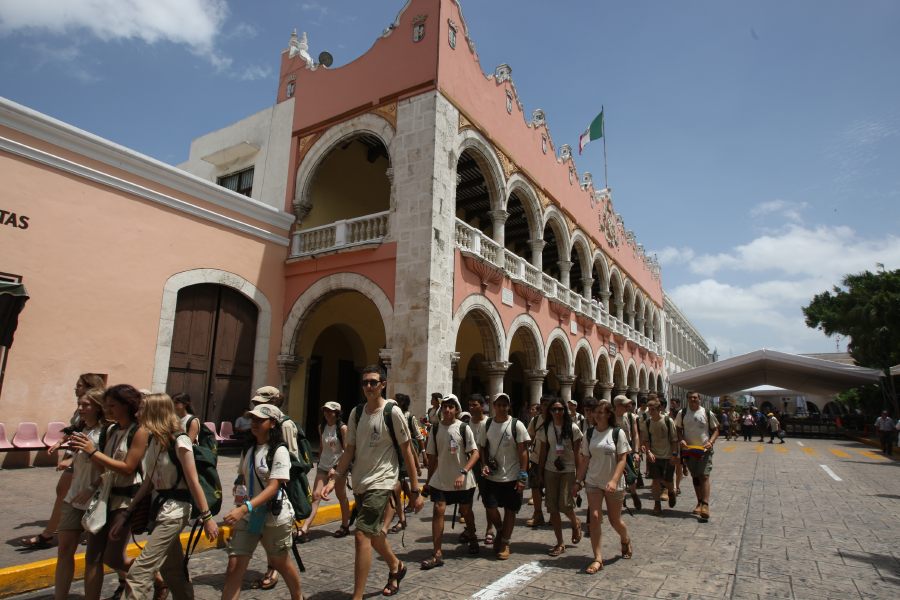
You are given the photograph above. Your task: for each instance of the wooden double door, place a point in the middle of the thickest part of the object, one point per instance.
(212, 350)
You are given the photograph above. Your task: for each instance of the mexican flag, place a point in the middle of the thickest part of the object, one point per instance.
(594, 132)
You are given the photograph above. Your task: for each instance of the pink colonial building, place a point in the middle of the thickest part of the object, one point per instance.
(402, 209)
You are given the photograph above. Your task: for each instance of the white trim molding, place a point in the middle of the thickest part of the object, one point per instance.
(167, 321)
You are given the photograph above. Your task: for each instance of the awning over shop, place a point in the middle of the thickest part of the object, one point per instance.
(770, 367)
(12, 300)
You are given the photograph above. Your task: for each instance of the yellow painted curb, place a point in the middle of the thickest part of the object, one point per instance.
(41, 574)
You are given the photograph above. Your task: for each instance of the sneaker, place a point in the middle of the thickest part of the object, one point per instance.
(503, 553)
(672, 499)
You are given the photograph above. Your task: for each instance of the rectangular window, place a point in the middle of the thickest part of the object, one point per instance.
(240, 182)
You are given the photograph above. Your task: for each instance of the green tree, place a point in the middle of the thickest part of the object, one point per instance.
(867, 310)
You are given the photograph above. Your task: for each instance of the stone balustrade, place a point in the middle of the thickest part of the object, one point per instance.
(346, 233)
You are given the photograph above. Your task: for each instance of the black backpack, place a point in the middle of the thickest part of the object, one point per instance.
(463, 428)
(388, 422)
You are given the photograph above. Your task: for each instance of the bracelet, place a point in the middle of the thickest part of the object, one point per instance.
(249, 506)
(339, 474)
(206, 516)
(95, 451)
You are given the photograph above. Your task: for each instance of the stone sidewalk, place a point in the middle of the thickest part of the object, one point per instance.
(781, 527)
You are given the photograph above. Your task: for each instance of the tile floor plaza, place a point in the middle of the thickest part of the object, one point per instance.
(781, 527)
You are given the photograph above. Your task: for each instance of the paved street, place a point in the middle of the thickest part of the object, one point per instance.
(782, 527)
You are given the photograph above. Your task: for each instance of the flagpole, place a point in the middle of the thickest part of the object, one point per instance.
(605, 175)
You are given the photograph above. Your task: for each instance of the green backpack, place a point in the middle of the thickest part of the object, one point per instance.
(205, 459)
(205, 437)
(297, 487)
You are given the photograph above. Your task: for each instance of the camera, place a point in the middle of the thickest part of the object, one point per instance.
(558, 463)
(73, 428)
(492, 463)
(276, 503)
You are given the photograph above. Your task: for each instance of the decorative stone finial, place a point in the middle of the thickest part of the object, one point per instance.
(300, 48)
(502, 73)
(587, 180)
(537, 117)
(565, 152)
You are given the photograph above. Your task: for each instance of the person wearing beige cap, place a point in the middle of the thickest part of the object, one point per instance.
(263, 468)
(332, 433)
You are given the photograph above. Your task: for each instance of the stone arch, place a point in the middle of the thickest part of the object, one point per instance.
(535, 350)
(639, 311)
(490, 325)
(582, 248)
(555, 218)
(631, 374)
(559, 335)
(628, 300)
(660, 388)
(520, 186)
(617, 289)
(320, 290)
(619, 380)
(488, 162)
(642, 378)
(367, 123)
(600, 273)
(651, 380)
(603, 368)
(584, 358)
(167, 321)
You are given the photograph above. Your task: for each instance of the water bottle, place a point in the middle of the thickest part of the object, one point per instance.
(240, 494)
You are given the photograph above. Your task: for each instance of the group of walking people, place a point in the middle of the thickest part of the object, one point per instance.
(125, 444)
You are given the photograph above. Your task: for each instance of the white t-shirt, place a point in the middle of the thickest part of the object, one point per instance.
(376, 465)
(534, 424)
(559, 446)
(503, 448)
(774, 425)
(331, 448)
(85, 471)
(446, 443)
(478, 429)
(433, 414)
(696, 429)
(164, 475)
(117, 448)
(281, 469)
(603, 455)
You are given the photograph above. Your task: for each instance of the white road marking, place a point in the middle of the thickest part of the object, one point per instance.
(828, 470)
(799, 443)
(509, 583)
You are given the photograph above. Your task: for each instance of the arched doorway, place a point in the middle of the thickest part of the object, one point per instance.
(476, 342)
(212, 350)
(524, 356)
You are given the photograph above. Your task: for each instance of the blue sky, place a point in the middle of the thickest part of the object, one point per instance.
(753, 146)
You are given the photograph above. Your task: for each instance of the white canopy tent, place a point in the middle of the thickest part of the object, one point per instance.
(770, 367)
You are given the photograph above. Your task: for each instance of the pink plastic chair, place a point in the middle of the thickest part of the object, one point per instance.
(54, 433)
(226, 430)
(4, 441)
(212, 427)
(27, 437)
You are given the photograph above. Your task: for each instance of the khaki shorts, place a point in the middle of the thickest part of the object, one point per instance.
(699, 467)
(70, 518)
(372, 505)
(558, 491)
(276, 539)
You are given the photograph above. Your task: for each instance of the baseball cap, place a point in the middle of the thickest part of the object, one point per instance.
(465, 414)
(621, 399)
(503, 396)
(452, 398)
(268, 391)
(266, 411)
(259, 400)
(572, 401)
(332, 405)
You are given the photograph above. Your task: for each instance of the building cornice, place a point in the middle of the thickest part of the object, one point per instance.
(67, 166)
(67, 137)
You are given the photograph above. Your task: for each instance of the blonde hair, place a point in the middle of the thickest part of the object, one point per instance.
(95, 396)
(159, 418)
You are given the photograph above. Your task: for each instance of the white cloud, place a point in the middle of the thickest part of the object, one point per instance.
(194, 23)
(823, 251)
(787, 210)
(673, 256)
(253, 72)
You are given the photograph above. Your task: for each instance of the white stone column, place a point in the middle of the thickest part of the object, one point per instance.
(535, 380)
(606, 391)
(632, 392)
(588, 384)
(498, 219)
(565, 387)
(495, 371)
(564, 267)
(586, 285)
(537, 253)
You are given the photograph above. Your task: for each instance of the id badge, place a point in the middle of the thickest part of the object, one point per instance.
(453, 446)
(560, 449)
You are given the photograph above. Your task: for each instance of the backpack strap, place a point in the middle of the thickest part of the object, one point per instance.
(173, 457)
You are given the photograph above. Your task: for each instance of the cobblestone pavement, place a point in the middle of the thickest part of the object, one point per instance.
(781, 527)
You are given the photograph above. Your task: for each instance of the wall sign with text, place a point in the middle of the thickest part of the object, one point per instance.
(7, 217)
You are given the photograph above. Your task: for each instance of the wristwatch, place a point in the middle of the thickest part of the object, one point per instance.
(463, 472)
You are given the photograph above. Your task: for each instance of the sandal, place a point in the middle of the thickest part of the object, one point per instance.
(594, 567)
(398, 527)
(395, 579)
(557, 550)
(627, 549)
(38, 542)
(302, 537)
(489, 538)
(342, 531)
(576, 532)
(436, 560)
(267, 582)
(535, 522)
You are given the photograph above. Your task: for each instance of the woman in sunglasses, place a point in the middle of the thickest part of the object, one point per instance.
(332, 433)
(559, 440)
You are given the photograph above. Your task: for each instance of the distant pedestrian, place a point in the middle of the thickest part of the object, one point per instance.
(627, 421)
(747, 423)
(762, 424)
(660, 442)
(885, 427)
(535, 421)
(332, 433)
(680, 469)
(774, 428)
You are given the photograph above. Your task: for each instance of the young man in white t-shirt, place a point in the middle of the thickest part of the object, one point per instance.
(504, 453)
(452, 454)
(698, 431)
(370, 448)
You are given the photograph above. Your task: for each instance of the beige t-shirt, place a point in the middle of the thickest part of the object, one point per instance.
(280, 469)
(559, 446)
(376, 465)
(117, 448)
(446, 443)
(660, 435)
(504, 448)
(164, 475)
(331, 448)
(534, 424)
(603, 455)
(85, 471)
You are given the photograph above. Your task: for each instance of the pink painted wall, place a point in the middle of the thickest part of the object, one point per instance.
(466, 283)
(95, 261)
(461, 79)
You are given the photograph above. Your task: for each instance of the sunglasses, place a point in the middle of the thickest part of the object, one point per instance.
(370, 382)
(557, 410)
